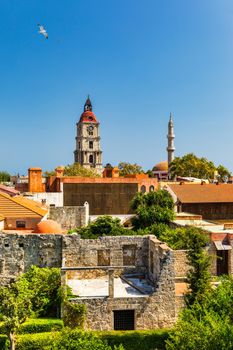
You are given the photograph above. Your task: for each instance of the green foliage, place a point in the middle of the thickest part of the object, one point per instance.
(4, 342)
(198, 277)
(15, 304)
(129, 169)
(191, 165)
(37, 341)
(44, 284)
(152, 208)
(77, 340)
(223, 173)
(210, 332)
(4, 176)
(135, 340)
(77, 169)
(74, 315)
(41, 325)
(102, 226)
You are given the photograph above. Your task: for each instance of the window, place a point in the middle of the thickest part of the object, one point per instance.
(123, 320)
(152, 188)
(90, 133)
(91, 144)
(79, 145)
(20, 224)
(143, 189)
(91, 158)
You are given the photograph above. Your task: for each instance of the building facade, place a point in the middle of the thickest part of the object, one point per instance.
(88, 152)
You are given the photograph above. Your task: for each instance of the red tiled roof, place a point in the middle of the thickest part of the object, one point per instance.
(206, 193)
(88, 117)
(9, 190)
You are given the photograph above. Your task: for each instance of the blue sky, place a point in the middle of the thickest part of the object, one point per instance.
(139, 61)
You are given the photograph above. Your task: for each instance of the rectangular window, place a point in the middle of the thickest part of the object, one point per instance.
(124, 320)
(20, 224)
(91, 144)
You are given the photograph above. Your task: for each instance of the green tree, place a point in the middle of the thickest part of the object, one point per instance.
(152, 208)
(198, 277)
(102, 226)
(223, 173)
(207, 331)
(15, 307)
(191, 166)
(77, 169)
(78, 340)
(44, 284)
(129, 169)
(4, 176)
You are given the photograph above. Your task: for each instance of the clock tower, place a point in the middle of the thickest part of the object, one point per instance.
(88, 152)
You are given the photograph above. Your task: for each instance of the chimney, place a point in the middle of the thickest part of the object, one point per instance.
(35, 180)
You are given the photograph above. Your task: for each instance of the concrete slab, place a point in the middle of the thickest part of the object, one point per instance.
(99, 287)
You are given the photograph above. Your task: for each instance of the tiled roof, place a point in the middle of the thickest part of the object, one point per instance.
(1, 217)
(20, 207)
(206, 193)
(9, 190)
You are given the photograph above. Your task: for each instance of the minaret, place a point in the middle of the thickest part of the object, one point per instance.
(88, 152)
(170, 138)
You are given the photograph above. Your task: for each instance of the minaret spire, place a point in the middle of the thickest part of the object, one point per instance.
(170, 137)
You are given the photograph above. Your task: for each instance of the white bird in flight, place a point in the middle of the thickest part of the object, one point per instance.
(43, 31)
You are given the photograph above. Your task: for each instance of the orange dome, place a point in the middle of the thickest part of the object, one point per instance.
(88, 117)
(162, 166)
(48, 226)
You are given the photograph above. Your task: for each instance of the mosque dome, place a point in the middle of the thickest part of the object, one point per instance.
(48, 226)
(162, 166)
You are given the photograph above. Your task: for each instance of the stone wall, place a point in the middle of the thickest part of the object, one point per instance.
(105, 251)
(181, 263)
(19, 251)
(154, 311)
(69, 217)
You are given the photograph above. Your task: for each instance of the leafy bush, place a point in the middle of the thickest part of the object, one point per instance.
(37, 341)
(152, 208)
(4, 342)
(74, 315)
(135, 340)
(78, 340)
(41, 325)
(45, 286)
(102, 226)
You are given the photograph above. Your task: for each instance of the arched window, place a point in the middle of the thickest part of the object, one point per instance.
(91, 158)
(143, 189)
(151, 189)
(91, 144)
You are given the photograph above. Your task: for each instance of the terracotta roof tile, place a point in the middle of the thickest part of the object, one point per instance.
(19, 206)
(206, 193)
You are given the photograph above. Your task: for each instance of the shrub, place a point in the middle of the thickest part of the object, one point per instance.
(4, 342)
(78, 340)
(135, 340)
(38, 341)
(74, 315)
(45, 286)
(41, 325)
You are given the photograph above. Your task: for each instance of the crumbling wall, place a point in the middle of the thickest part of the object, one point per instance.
(69, 217)
(154, 311)
(19, 251)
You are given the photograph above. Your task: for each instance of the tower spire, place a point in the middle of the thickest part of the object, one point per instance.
(88, 105)
(170, 138)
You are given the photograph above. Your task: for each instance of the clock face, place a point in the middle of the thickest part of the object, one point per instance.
(90, 128)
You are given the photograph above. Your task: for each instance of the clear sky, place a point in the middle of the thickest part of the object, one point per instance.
(138, 59)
